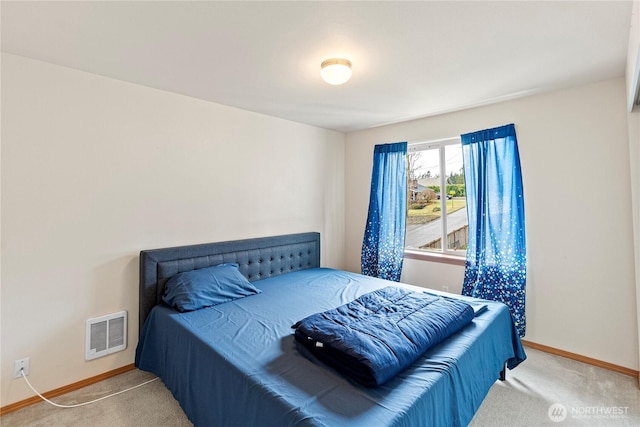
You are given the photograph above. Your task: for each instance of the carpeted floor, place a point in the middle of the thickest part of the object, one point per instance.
(544, 390)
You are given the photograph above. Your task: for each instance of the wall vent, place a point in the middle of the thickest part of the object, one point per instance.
(106, 335)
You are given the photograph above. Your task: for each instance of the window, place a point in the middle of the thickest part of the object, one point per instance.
(436, 202)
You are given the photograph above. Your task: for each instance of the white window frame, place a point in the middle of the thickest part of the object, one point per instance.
(446, 255)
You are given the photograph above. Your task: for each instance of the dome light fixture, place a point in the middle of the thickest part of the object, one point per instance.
(335, 71)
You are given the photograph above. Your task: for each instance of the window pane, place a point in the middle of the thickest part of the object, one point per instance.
(428, 199)
(424, 226)
(457, 224)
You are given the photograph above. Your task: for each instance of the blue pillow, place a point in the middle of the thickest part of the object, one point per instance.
(196, 289)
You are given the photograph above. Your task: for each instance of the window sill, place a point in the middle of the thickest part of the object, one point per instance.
(434, 257)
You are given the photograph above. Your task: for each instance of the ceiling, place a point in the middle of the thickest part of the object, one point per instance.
(410, 59)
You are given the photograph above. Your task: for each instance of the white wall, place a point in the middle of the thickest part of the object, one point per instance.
(632, 74)
(95, 169)
(633, 55)
(574, 150)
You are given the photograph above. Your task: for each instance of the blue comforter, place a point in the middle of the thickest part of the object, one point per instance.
(379, 334)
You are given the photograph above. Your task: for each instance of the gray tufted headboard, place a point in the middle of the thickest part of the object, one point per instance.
(258, 258)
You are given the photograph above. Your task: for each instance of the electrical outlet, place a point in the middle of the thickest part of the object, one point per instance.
(445, 288)
(21, 364)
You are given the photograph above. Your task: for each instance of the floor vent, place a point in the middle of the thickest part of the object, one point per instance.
(106, 335)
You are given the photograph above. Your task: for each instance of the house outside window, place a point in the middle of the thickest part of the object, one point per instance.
(436, 199)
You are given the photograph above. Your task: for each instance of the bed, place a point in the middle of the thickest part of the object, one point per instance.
(237, 364)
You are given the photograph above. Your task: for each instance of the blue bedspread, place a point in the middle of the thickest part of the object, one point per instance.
(379, 334)
(237, 364)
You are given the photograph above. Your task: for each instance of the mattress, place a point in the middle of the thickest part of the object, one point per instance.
(237, 364)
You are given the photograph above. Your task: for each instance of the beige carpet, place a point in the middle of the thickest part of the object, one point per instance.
(581, 395)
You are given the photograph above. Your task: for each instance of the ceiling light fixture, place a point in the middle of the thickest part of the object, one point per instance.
(335, 71)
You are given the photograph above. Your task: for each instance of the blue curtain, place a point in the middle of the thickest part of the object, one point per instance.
(496, 255)
(383, 245)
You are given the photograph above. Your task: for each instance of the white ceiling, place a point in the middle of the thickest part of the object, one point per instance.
(410, 59)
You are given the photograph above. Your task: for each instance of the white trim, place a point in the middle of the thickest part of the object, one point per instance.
(425, 255)
(444, 241)
(425, 145)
